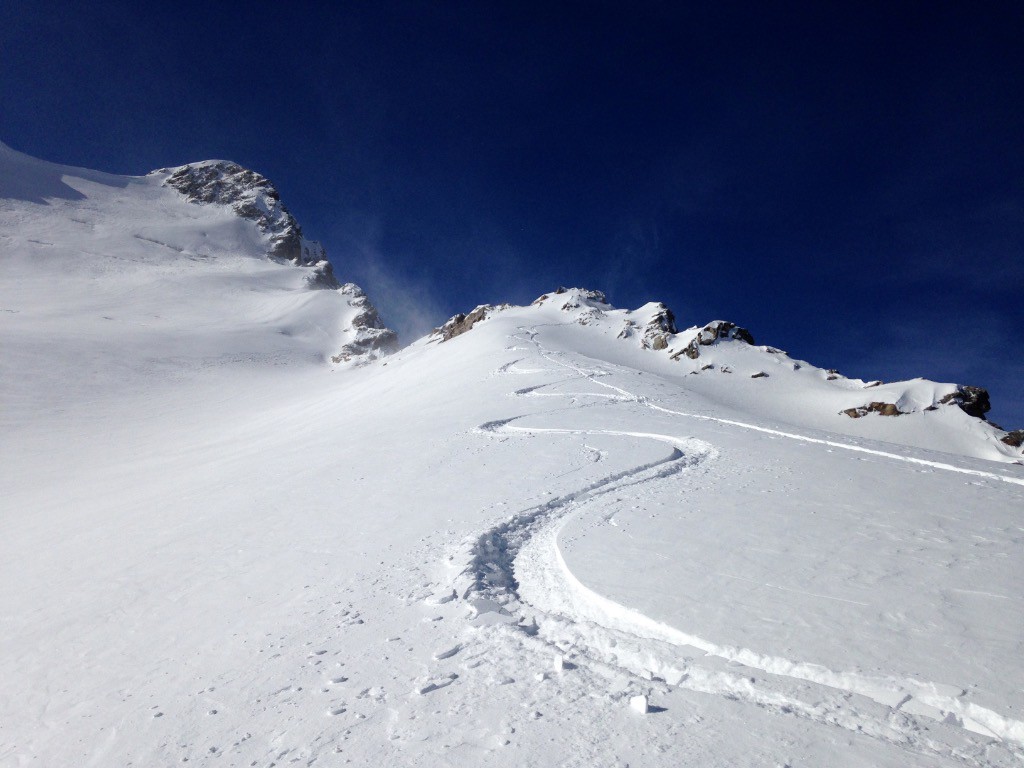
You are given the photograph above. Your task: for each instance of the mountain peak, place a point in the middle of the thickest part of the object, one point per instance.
(575, 298)
(252, 196)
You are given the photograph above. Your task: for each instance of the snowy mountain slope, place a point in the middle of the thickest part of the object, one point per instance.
(216, 546)
(721, 362)
(94, 263)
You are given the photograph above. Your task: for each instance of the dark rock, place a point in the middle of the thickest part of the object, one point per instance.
(973, 401)
(759, 375)
(1014, 438)
(713, 332)
(882, 409)
(460, 323)
(664, 320)
(660, 328)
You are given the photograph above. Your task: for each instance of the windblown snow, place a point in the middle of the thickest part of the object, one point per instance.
(236, 531)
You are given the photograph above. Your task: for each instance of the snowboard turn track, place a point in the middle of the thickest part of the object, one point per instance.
(516, 579)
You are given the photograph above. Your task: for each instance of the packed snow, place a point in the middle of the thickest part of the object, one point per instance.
(548, 538)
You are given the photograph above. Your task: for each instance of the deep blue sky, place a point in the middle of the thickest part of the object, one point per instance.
(846, 180)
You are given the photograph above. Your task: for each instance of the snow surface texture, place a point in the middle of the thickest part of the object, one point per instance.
(544, 541)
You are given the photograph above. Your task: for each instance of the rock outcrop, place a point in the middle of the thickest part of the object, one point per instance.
(660, 328)
(252, 196)
(577, 298)
(973, 401)
(713, 332)
(585, 305)
(371, 339)
(460, 323)
(882, 409)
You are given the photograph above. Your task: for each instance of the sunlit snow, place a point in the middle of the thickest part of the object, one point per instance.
(541, 542)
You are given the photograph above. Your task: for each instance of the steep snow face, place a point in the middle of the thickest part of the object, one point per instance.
(721, 361)
(189, 267)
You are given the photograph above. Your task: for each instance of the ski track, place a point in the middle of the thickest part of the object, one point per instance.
(517, 566)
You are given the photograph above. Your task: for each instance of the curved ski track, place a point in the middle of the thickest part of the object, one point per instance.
(517, 568)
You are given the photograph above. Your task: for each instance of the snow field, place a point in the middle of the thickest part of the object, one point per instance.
(535, 544)
(529, 546)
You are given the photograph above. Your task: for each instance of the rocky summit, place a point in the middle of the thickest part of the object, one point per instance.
(251, 196)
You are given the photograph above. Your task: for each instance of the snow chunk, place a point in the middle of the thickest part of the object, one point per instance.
(447, 653)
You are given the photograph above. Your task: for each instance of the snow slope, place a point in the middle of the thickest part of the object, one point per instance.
(119, 276)
(535, 543)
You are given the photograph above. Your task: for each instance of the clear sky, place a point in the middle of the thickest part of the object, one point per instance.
(844, 179)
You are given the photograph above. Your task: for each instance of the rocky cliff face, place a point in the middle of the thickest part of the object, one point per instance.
(252, 196)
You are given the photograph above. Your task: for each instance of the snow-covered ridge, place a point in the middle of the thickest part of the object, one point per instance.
(723, 360)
